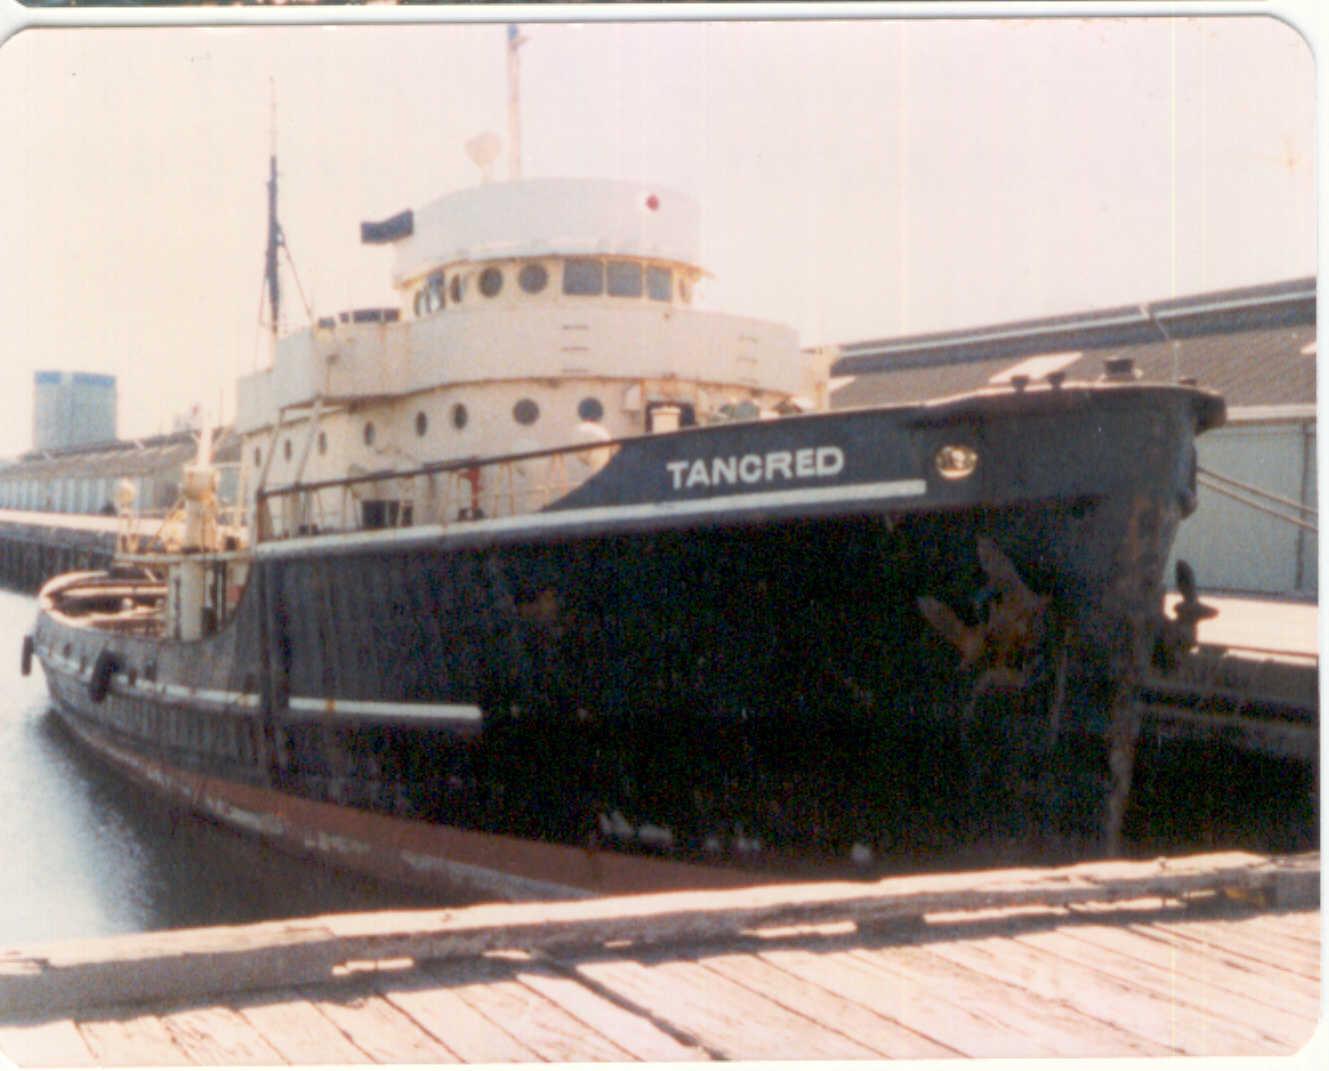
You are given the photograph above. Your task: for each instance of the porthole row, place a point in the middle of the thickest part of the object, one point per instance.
(525, 412)
(581, 277)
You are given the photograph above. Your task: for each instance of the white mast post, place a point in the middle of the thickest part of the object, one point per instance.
(515, 41)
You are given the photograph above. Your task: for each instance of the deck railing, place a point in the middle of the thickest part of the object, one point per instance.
(445, 493)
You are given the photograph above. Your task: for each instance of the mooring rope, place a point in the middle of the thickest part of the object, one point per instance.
(1299, 506)
(1214, 483)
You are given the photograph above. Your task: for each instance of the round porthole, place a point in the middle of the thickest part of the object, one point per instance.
(590, 409)
(491, 282)
(526, 412)
(955, 461)
(421, 424)
(322, 442)
(369, 433)
(459, 416)
(533, 278)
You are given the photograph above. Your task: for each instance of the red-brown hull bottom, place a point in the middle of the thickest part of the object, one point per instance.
(404, 851)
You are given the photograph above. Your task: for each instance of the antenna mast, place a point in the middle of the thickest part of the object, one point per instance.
(515, 41)
(274, 230)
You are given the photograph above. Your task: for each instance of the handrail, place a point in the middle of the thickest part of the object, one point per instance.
(457, 465)
(478, 487)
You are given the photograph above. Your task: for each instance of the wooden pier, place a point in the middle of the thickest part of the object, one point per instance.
(1253, 681)
(37, 546)
(1215, 955)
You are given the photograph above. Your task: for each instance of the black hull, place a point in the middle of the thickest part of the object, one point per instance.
(755, 684)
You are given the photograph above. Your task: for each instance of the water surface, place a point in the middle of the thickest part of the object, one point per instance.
(86, 854)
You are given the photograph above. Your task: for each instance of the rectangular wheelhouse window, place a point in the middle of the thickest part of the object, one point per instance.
(583, 277)
(624, 279)
(380, 513)
(659, 284)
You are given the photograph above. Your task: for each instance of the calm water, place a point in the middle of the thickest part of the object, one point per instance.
(85, 854)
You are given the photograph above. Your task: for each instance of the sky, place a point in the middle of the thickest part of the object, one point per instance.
(857, 179)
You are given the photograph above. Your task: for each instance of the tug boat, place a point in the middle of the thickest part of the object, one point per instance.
(552, 583)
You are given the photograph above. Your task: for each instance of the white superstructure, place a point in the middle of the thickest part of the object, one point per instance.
(532, 314)
(537, 217)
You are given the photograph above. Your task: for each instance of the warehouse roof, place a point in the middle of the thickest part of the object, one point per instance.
(1256, 346)
(120, 457)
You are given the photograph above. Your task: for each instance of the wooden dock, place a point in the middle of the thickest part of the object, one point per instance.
(1216, 955)
(1253, 682)
(1284, 627)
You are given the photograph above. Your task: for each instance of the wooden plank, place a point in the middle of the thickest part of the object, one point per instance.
(882, 1034)
(298, 1030)
(1261, 922)
(685, 917)
(385, 1033)
(724, 1017)
(642, 1039)
(132, 1039)
(1303, 925)
(544, 1028)
(957, 1029)
(192, 964)
(1287, 963)
(51, 1043)
(1099, 996)
(1232, 975)
(440, 1011)
(1263, 928)
(850, 980)
(1054, 1024)
(168, 966)
(1216, 1032)
(1041, 1024)
(218, 1035)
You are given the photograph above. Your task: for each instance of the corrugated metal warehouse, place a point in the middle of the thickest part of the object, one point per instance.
(83, 479)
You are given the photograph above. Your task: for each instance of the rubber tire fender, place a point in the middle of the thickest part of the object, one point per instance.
(108, 662)
(25, 661)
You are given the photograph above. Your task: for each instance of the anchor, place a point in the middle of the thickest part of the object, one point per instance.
(1013, 666)
(1001, 646)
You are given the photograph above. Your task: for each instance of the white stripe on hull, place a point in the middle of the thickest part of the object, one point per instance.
(421, 712)
(557, 519)
(361, 709)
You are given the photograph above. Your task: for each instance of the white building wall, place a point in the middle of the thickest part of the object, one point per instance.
(1232, 546)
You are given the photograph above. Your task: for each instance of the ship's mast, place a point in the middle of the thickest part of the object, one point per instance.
(515, 41)
(274, 235)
